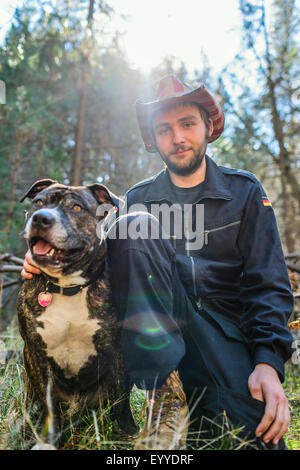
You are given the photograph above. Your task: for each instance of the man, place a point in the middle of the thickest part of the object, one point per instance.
(204, 320)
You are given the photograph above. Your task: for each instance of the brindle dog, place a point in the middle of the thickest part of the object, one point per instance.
(70, 329)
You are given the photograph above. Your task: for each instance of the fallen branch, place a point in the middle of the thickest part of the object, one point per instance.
(12, 283)
(293, 267)
(7, 268)
(14, 259)
(292, 255)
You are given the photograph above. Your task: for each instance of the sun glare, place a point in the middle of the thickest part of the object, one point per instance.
(155, 29)
(158, 28)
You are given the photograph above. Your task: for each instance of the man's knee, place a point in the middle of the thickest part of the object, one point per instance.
(139, 231)
(134, 226)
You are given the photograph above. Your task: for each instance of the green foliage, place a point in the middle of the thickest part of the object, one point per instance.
(259, 89)
(41, 64)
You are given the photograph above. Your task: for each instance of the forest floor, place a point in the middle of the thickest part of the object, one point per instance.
(96, 431)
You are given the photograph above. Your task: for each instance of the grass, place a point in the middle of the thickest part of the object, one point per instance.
(292, 390)
(95, 430)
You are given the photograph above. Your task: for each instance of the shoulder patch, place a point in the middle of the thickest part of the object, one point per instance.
(266, 201)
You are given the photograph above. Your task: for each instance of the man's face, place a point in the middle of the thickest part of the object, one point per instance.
(181, 138)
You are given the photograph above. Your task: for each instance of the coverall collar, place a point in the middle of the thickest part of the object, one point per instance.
(214, 186)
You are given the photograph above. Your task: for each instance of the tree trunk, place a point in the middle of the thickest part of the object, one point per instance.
(284, 157)
(290, 188)
(40, 167)
(76, 177)
(77, 162)
(13, 190)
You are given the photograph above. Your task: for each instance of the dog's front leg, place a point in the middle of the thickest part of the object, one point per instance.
(40, 390)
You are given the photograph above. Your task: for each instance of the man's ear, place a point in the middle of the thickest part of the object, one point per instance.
(37, 187)
(103, 195)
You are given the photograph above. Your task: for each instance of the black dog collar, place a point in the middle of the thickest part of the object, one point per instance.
(69, 291)
(55, 289)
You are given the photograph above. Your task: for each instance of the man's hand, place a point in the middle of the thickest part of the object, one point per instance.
(29, 267)
(264, 385)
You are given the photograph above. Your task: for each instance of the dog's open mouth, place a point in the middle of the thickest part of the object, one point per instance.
(44, 250)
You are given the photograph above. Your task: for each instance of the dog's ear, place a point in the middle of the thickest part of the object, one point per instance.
(37, 187)
(103, 195)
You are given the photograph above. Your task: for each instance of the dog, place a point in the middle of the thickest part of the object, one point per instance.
(70, 329)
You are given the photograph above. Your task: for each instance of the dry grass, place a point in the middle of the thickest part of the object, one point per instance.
(95, 430)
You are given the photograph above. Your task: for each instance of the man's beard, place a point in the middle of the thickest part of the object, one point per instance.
(189, 168)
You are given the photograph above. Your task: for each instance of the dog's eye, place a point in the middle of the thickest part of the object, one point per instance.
(39, 202)
(77, 208)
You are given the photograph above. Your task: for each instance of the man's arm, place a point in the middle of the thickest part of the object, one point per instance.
(267, 299)
(265, 291)
(264, 385)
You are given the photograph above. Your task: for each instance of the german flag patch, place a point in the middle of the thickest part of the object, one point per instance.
(266, 202)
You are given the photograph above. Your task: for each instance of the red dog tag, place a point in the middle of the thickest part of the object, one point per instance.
(44, 299)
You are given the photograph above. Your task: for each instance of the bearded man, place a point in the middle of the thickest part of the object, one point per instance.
(204, 318)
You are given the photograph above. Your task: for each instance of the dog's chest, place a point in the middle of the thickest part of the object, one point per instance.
(68, 331)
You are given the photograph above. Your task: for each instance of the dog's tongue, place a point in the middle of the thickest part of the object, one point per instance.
(42, 247)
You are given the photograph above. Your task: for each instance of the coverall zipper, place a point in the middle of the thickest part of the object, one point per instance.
(193, 270)
(194, 275)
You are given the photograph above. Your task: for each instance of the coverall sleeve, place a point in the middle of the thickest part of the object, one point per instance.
(266, 293)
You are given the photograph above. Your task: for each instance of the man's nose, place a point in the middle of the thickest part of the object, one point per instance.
(178, 136)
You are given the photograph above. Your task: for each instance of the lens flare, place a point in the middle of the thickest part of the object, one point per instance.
(152, 344)
(153, 330)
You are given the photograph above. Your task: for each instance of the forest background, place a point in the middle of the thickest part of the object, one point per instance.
(67, 111)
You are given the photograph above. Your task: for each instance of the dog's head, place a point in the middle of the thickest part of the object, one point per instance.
(60, 226)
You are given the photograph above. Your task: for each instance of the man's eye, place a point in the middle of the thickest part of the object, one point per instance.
(188, 124)
(77, 208)
(39, 203)
(162, 131)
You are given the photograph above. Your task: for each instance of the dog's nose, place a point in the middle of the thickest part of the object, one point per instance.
(43, 219)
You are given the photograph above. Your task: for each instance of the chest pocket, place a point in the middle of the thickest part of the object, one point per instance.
(219, 241)
(216, 229)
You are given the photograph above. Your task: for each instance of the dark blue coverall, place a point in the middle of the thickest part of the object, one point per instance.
(212, 313)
